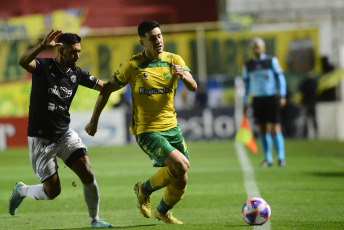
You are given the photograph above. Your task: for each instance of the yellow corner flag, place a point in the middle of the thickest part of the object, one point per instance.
(245, 135)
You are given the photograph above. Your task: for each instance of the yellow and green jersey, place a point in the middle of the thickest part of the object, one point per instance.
(152, 89)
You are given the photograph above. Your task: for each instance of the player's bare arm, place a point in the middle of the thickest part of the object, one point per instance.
(100, 85)
(109, 87)
(27, 59)
(185, 77)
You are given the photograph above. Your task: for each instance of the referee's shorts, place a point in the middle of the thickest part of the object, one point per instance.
(266, 110)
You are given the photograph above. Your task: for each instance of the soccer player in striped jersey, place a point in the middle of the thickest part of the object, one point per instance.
(264, 78)
(152, 76)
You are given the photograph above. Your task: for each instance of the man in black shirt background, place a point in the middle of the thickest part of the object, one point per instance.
(54, 84)
(309, 99)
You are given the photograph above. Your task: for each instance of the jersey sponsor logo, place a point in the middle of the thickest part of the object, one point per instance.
(91, 78)
(40, 172)
(149, 92)
(53, 107)
(167, 76)
(145, 75)
(61, 92)
(73, 78)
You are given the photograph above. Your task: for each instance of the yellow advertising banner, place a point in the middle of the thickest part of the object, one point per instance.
(33, 27)
(14, 99)
(69, 20)
(19, 33)
(296, 49)
(226, 52)
(20, 28)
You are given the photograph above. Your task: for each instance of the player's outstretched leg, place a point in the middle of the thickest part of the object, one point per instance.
(143, 200)
(16, 199)
(168, 218)
(101, 224)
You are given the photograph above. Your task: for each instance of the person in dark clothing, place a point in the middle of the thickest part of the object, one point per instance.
(309, 98)
(54, 84)
(201, 99)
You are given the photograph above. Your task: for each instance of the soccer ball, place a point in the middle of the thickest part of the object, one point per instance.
(256, 211)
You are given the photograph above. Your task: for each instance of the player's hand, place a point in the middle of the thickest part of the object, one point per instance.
(178, 71)
(245, 109)
(50, 40)
(283, 102)
(91, 128)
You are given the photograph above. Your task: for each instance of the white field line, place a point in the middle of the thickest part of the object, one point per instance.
(249, 180)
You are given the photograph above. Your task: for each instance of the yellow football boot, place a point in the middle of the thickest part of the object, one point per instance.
(143, 200)
(168, 218)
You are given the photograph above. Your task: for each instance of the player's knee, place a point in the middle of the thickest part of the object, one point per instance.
(52, 187)
(181, 168)
(52, 193)
(83, 169)
(76, 158)
(185, 166)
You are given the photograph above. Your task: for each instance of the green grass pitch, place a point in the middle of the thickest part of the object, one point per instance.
(307, 194)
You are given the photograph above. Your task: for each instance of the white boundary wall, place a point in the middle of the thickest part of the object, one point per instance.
(330, 120)
(112, 128)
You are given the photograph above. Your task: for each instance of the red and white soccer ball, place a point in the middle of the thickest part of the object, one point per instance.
(256, 211)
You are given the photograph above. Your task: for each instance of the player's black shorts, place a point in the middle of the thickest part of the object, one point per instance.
(266, 110)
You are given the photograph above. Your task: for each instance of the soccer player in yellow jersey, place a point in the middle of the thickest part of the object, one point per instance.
(152, 76)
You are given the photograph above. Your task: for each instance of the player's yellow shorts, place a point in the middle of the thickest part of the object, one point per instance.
(158, 145)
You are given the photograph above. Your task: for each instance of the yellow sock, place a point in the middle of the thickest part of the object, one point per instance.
(162, 178)
(172, 195)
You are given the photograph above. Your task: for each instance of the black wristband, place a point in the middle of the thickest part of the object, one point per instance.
(41, 45)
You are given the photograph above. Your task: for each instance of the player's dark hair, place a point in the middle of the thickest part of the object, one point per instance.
(69, 39)
(146, 26)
